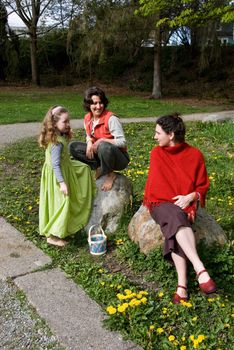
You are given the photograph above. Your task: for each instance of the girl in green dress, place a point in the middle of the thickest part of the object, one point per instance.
(67, 186)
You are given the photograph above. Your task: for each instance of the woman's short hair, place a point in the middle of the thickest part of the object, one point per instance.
(173, 123)
(94, 90)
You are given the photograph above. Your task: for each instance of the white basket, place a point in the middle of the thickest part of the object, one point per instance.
(97, 240)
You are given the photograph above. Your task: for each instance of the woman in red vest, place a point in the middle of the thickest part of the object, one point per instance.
(105, 148)
(176, 182)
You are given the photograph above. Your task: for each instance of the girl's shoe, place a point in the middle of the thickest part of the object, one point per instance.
(207, 287)
(177, 298)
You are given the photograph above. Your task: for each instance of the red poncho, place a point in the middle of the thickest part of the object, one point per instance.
(176, 170)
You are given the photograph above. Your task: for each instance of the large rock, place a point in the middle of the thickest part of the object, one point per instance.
(216, 118)
(143, 230)
(109, 206)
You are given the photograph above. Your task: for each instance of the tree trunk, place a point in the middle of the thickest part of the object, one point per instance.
(157, 91)
(33, 51)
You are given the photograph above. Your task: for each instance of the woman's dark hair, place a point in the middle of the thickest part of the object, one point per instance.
(173, 123)
(91, 92)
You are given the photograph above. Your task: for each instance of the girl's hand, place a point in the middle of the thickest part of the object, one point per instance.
(89, 150)
(184, 201)
(63, 188)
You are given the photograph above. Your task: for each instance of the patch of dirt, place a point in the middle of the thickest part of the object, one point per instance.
(113, 265)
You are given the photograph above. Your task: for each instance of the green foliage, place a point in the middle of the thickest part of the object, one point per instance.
(187, 12)
(105, 37)
(139, 306)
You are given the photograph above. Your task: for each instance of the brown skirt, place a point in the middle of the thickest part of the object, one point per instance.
(170, 217)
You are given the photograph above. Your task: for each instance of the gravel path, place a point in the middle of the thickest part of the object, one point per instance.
(20, 326)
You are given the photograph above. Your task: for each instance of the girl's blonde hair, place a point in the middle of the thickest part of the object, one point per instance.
(49, 133)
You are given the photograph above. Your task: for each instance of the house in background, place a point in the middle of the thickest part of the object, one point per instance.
(225, 33)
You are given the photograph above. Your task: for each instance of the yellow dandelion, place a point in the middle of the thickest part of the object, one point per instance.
(160, 330)
(160, 294)
(127, 291)
(194, 318)
(200, 338)
(183, 347)
(171, 338)
(143, 292)
(143, 300)
(120, 296)
(123, 307)
(119, 242)
(152, 327)
(111, 310)
(226, 325)
(185, 303)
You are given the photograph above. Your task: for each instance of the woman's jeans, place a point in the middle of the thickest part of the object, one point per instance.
(108, 156)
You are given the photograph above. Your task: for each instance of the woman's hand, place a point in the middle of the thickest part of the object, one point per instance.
(90, 150)
(184, 201)
(63, 188)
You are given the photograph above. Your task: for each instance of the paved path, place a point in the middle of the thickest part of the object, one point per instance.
(14, 132)
(72, 316)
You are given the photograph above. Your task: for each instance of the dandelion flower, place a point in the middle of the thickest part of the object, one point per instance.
(160, 330)
(111, 310)
(123, 307)
(171, 338)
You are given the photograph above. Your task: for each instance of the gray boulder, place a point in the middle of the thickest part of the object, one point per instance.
(108, 207)
(143, 230)
(216, 118)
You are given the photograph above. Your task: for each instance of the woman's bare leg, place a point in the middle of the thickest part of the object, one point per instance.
(185, 238)
(181, 269)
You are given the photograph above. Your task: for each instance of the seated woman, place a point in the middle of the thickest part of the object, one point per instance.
(105, 148)
(176, 182)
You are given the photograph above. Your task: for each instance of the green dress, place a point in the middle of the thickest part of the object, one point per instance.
(61, 215)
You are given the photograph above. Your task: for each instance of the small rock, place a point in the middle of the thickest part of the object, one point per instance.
(216, 118)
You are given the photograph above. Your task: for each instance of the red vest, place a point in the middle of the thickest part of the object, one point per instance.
(101, 130)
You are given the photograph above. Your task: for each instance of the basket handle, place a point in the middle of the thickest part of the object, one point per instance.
(90, 229)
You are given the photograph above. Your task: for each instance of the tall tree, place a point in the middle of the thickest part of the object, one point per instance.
(31, 12)
(180, 13)
(3, 39)
(104, 28)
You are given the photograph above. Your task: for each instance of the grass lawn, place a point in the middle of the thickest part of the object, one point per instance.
(137, 298)
(24, 105)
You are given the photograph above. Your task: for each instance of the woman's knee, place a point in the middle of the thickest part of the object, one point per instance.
(105, 148)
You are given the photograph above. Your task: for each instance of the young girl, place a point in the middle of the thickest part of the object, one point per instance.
(67, 186)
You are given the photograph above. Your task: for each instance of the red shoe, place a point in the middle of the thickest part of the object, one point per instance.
(177, 298)
(207, 287)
